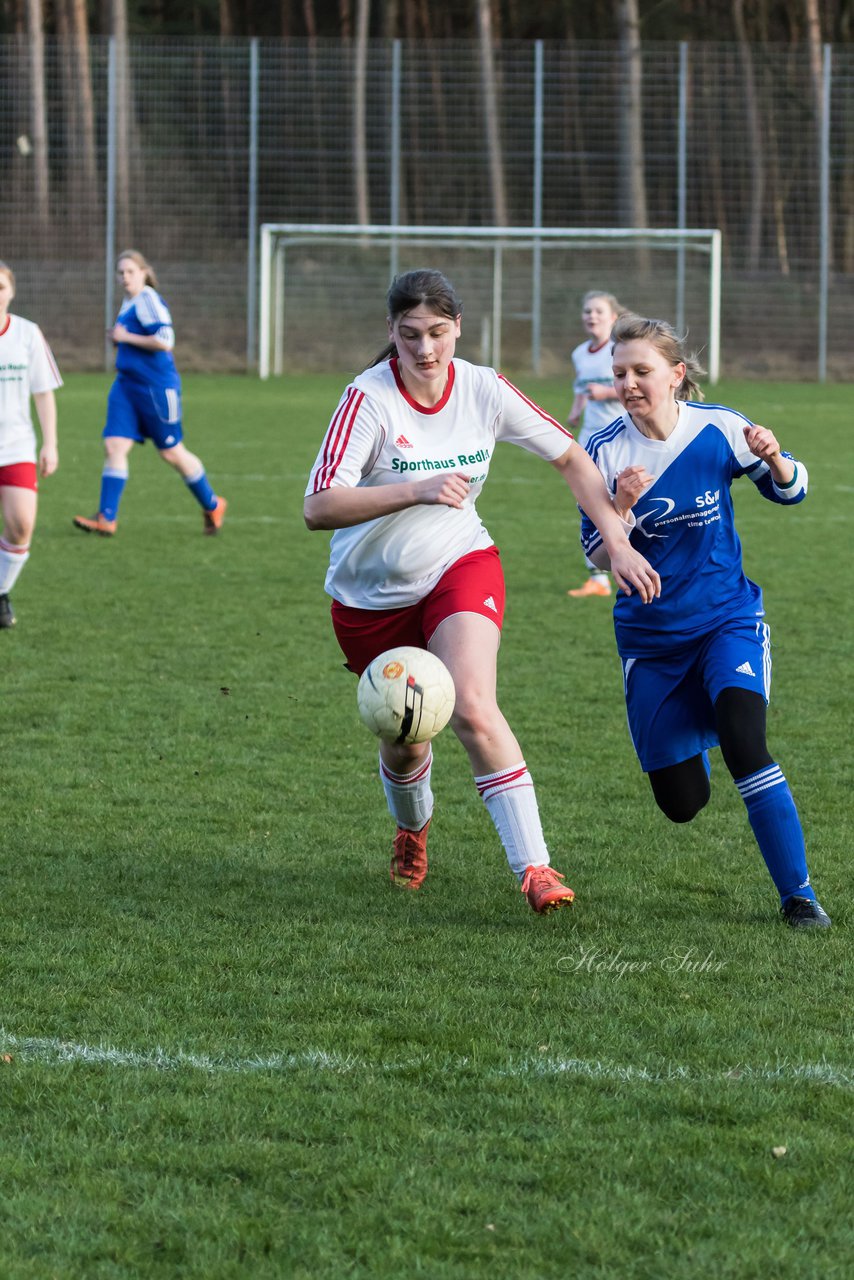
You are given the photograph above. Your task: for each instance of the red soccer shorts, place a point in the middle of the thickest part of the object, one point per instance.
(20, 475)
(473, 584)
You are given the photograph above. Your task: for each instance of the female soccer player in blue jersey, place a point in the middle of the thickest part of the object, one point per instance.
(697, 659)
(145, 400)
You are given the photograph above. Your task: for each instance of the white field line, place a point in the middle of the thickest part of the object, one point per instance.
(54, 1052)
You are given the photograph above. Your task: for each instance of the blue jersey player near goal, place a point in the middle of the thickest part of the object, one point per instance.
(145, 400)
(697, 659)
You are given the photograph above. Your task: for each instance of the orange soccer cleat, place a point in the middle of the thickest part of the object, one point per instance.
(97, 524)
(592, 587)
(409, 857)
(543, 888)
(214, 519)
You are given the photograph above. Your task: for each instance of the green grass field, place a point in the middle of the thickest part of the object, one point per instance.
(228, 1048)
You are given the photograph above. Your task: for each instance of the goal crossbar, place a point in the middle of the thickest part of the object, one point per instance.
(276, 237)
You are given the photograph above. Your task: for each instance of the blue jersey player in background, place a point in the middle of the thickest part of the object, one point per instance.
(697, 660)
(145, 400)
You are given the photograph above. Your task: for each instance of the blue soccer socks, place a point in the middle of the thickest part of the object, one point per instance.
(113, 483)
(772, 815)
(201, 490)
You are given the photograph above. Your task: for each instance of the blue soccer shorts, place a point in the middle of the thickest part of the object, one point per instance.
(139, 412)
(670, 699)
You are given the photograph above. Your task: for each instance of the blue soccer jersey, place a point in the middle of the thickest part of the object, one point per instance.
(684, 524)
(147, 314)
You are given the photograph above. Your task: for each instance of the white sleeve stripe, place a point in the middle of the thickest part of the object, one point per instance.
(796, 487)
(150, 309)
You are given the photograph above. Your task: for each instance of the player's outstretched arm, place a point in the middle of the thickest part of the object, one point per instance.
(341, 506)
(630, 569)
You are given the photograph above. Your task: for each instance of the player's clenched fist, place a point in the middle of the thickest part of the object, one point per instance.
(445, 489)
(631, 483)
(762, 442)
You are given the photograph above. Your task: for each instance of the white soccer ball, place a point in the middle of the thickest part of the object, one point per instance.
(406, 695)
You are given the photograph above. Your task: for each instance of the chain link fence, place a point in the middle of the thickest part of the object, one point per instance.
(182, 148)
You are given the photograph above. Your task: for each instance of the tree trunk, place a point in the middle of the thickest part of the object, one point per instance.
(85, 107)
(813, 21)
(230, 114)
(38, 116)
(390, 19)
(119, 32)
(632, 180)
(632, 171)
(360, 92)
(490, 110)
(324, 208)
(755, 140)
(80, 189)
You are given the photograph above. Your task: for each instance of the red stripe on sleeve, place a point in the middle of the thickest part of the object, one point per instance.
(50, 359)
(547, 417)
(337, 437)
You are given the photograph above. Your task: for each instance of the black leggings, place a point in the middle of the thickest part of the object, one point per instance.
(681, 790)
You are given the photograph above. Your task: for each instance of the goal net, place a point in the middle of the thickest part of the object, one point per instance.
(322, 289)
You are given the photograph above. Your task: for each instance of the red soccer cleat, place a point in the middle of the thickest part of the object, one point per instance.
(543, 888)
(409, 857)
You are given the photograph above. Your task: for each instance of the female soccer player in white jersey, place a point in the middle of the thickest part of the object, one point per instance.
(145, 400)
(27, 368)
(595, 403)
(397, 477)
(697, 662)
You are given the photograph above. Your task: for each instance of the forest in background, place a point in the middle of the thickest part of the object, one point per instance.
(792, 21)
(183, 127)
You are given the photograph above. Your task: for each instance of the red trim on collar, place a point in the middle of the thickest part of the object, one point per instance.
(6, 325)
(413, 404)
(593, 350)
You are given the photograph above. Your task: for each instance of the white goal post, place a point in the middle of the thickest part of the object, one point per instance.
(278, 241)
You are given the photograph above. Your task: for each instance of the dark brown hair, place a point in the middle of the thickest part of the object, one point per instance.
(424, 286)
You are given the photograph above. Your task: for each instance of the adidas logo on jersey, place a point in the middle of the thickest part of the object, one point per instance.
(746, 669)
(402, 442)
(490, 604)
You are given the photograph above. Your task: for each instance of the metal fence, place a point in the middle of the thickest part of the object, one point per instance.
(183, 148)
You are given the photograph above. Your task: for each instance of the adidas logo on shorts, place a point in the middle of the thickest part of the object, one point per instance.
(746, 670)
(490, 604)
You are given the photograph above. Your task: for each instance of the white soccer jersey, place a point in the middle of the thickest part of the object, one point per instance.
(27, 366)
(594, 365)
(380, 435)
